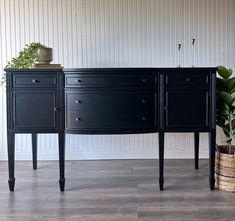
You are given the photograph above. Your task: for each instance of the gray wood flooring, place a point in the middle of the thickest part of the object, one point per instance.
(114, 190)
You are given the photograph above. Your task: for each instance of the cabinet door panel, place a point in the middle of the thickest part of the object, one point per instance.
(186, 109)
(34, 109)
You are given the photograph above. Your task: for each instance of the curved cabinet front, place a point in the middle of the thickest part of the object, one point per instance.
(110, 112)
(109, 103)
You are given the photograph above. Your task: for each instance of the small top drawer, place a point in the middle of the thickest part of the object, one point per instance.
(186, 79)
(93, 80)
(34, 80)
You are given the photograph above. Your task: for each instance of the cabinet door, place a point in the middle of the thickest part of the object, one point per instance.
(34, 109)
(186, 109)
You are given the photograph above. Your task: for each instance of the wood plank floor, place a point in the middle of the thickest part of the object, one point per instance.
(114, 190)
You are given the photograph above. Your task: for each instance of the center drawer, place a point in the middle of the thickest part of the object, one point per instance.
(109, 101)
(108, 119)
(109, 110)
(93, 80)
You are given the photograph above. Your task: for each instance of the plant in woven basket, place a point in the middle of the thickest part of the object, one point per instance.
(225, 118)
(26, 57)
(225, 107)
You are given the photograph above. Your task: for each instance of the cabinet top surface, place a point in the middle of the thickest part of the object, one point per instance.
(110, 69)
(140, 69)
(32, 70)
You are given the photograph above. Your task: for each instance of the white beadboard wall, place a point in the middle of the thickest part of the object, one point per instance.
(116, 33)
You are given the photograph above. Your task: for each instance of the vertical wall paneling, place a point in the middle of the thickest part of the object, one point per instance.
(117, 33)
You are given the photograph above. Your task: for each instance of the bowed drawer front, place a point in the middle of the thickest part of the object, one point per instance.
(106, 80)
(110, 102)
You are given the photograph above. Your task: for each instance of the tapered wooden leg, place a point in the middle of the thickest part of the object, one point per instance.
(196, 149)
(11, 159)
(161, 160)
(34, 150)
(212, 147)
(62, 159)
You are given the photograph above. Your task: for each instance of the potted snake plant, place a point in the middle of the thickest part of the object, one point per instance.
(225, 119)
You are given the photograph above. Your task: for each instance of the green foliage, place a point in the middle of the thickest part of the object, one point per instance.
(224, 72)
(225, 107)
(26, 58)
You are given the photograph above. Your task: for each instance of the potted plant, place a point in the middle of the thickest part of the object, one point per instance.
(225, 119)
(26, 58)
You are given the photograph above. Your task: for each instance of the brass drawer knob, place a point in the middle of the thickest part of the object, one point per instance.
(56, 109)
(78, 102)
(77, 119)
(143, 118)
(144, 80)
(34, 81)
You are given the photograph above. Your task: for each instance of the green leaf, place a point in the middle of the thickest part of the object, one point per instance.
(220, 122)
(229, 141)
(226, 130)
(230, 85)
(222, 109)
(226, 97)
(221, 85)
(224, 72)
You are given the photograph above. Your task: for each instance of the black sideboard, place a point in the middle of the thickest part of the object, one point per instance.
(111, 101)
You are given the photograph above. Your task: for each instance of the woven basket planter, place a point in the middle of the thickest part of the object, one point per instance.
(225, 171)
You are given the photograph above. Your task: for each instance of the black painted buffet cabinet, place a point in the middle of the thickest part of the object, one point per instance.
(111, 101)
